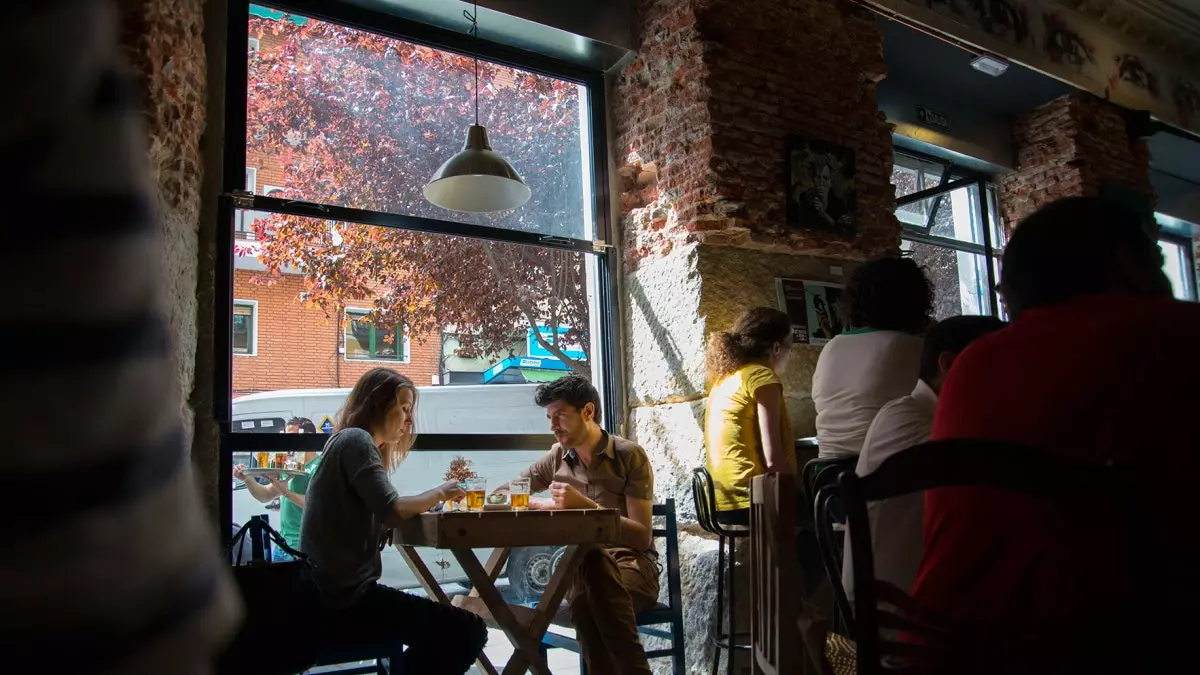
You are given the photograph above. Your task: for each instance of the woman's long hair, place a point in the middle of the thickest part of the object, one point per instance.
(754, 334)
(368, 405)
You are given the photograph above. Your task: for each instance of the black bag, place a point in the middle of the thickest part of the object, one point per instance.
(281, 603)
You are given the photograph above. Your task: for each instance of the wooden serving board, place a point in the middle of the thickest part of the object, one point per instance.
(504, 529)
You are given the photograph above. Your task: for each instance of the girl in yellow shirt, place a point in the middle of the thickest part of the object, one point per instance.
(746, 428)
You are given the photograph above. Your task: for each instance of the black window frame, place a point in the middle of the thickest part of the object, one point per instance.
(234, 198)
(954, 178)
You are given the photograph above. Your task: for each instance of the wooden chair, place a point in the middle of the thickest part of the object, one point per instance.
(650, 621)
(785, 639)
(775, 581)
(938, 644)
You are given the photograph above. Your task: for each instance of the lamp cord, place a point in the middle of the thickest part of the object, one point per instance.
(473, 17)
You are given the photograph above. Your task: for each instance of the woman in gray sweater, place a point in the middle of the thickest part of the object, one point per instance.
(350, 505)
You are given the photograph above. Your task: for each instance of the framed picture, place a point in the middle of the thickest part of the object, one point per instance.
(820, 186)
(813, 307)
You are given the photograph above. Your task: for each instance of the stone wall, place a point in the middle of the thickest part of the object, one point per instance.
(1071, 146)
(164, 46)
(702, 116)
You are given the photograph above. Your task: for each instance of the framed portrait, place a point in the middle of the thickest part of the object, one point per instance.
(820, 186)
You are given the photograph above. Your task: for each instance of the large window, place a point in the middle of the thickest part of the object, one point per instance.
(330, 237)
(950, 228)
(1179, 266)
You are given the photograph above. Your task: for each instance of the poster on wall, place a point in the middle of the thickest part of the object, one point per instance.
(820, 194)
(813, 307)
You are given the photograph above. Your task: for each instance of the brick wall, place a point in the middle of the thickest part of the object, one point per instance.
(1069, 147)
(298, 345)
(703, 114)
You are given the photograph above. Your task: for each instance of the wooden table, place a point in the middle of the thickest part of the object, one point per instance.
(502, 531)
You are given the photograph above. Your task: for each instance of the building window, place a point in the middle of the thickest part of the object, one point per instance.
(357, 136)
(366, 342)
(1179, 266)
(245, 327)
(950, 228)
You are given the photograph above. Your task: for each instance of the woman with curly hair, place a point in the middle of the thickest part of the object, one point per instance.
(746, 428)
(886, 307)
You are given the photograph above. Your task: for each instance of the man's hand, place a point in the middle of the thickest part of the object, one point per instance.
(281, 486)
(239, 472)
(450, 490)
(567, 497)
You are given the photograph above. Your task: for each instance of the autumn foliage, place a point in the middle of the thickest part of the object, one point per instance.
(360, 120)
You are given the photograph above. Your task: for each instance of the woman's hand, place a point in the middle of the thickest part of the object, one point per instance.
(239, 472)
(450, 490)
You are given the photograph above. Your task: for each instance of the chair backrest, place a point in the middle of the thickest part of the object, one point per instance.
(831, 544)
(670, 532)
(1000, 465)
(704, 496)
(821, 471)
(776, 584)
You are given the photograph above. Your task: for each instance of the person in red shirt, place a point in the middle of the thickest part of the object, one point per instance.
(1098, 365)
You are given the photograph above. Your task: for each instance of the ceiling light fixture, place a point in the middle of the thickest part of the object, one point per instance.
(989, 64)
(477, 179)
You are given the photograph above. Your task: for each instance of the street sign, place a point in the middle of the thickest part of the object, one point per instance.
(326, 426)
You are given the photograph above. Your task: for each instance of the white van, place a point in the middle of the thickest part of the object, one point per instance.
(472, 409)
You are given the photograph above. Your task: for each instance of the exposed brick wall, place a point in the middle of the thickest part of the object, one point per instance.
(298, 344)
(703, 114)
(1070, 147)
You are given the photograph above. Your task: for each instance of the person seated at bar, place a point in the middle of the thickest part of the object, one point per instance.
(896, 535)
(589, 468)
(290, 492)
(350, 504)
(886, 307)
(746, 429)
(1096, 367)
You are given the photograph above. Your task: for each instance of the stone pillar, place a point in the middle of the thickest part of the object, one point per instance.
(702, 116)
(1072, 146)
(164, 46)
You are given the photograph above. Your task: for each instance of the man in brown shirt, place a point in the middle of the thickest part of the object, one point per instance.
(589, 468)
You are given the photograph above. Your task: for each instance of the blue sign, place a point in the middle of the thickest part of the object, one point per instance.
(522, 362)
(572, 351)
(326, 425)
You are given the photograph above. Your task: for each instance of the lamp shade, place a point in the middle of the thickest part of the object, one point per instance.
(477, 179)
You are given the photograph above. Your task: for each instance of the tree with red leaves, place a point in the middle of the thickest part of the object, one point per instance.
(361, 120)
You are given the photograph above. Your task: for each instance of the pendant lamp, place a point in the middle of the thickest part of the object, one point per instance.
(477, 179)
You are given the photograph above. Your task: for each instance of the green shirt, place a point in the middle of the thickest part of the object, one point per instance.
(289, 513)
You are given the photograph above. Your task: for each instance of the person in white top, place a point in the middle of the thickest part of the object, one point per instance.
(886, 305)
(896, 536)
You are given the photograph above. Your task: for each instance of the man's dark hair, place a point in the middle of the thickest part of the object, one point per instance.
(953, 335)
(1079, 246)
(888, 294)
(575, 390)
(306, 425)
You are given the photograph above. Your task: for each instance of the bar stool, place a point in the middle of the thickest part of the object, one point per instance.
(705, 498)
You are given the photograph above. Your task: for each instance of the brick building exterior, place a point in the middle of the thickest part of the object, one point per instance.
(299, 347)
